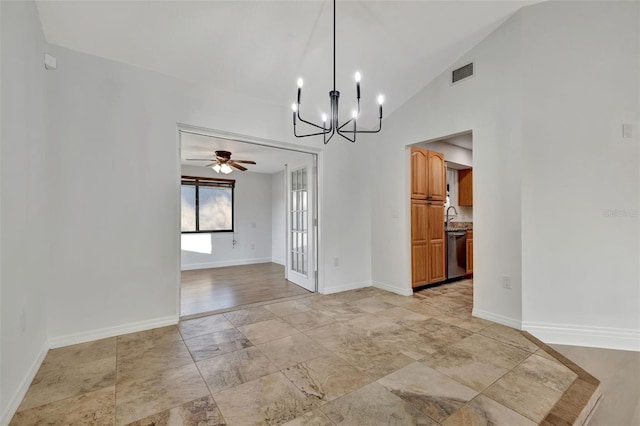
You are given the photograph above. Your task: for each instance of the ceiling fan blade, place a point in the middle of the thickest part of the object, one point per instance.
(212, 164)
(245, 161)
(200, 159)
(237, 166)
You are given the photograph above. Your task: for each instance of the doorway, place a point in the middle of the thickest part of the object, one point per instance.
(450, 222)
(268, 249)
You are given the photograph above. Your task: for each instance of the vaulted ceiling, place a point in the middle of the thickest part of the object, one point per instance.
(260, 48)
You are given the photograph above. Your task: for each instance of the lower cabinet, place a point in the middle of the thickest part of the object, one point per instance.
(436, 243)
(469, 252)
(428, 250)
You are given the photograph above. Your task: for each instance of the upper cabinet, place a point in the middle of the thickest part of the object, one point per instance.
(465, 187)
(419, 173)
(437, 179)
(428, 175)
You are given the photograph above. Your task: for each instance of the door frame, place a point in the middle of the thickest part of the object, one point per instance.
(237, 137)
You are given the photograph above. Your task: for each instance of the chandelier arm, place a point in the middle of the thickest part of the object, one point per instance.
(345, 123)
(326, 132)
(346, 137)
(308, 122)
(363, 131)
(333, 132)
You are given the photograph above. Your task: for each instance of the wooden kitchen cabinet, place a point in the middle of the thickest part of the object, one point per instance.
(465, 187)
(436, 180)
(436, 249)
(419, 253)
(419, 159)
(469, 252)
(428, 192)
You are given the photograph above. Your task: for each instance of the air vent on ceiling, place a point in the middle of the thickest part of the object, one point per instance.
(461, 73)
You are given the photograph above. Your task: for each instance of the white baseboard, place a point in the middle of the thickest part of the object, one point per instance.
(576, 335)
(393, 289)
(235, 262)
(103, 333)
(278, 260)
(500, 319)
(16, 399)
(344, 287)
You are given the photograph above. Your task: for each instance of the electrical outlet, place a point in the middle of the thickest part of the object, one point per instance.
(253, 246)
(506, 282)
(336, 262)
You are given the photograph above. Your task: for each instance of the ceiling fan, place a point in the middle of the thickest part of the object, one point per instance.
(223, 162)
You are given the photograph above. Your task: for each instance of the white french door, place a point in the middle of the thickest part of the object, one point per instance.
(301, 225)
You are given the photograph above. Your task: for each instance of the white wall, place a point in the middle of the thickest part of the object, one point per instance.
(451, 153)
(580, 178)
(278, 218)
(24, 178)
(117, 124)
(116, 213)
(555, 186)
(252, 225)
(487, 104)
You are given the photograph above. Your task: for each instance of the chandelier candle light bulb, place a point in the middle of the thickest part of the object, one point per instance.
(334, 127)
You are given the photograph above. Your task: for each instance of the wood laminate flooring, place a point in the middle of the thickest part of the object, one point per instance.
(216, 289)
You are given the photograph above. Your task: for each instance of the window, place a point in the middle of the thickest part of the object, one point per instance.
(206, 204)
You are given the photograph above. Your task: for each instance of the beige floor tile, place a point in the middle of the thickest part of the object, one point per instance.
(304, 321)
(465, 321)
(373, 323)
(287, 308)
(232, 369)
(78, 354)
(371, 304)
(374, 360)
(509, 335)
(337, 336)
(533, 387)
(137, 399)
(427, 390)
(374, 405)
(420, 306)
(266, 331)
(476, 361)
(291, 350)
(269, 400)
(218, 343)
(395, 299)
(402, 316)
(437, 334)
(204, 325)
(310, 418)
(249, 316)
(326, 378)
(405, 341)
(61, 383)
(202, 412)
(138, 359)
(483, 411)
(93, 408)
(154, 335)
(343, 312)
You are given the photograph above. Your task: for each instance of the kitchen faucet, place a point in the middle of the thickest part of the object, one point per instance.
(448, 216)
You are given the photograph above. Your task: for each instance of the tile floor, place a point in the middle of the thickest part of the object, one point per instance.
(363, 357)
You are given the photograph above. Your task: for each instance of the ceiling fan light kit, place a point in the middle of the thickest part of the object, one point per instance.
(223, 162)
(334, 127)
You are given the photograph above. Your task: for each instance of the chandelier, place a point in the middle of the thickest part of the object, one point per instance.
(348, 129)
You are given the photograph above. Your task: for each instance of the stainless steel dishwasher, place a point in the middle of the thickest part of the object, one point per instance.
(456, 253)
